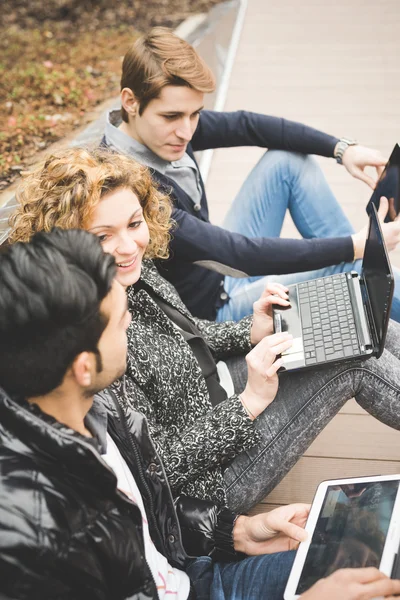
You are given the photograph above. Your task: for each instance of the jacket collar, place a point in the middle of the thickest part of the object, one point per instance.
(39, 433)
(161, 287)
(123, 143)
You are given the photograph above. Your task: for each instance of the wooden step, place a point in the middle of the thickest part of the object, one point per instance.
(300, 483)
(357, 436)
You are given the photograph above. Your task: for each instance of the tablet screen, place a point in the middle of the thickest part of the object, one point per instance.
(389, 186)
(351, 529)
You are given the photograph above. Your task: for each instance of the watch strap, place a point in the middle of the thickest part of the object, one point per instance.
(341, 148)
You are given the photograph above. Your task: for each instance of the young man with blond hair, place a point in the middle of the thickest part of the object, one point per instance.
(162, 123)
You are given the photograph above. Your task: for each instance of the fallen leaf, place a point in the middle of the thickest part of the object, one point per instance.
(90, 95)
(57, 99)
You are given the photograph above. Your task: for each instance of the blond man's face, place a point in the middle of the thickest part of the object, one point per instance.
(168, 123)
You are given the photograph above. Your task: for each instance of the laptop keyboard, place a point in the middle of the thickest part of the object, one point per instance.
(327, 318)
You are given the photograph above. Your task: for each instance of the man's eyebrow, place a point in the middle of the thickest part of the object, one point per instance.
(133, 215)
(179, 112)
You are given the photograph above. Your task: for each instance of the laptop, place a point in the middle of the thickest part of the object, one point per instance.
(342, 316)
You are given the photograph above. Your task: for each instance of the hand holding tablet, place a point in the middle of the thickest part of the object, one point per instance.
(353, 584)
(353, 523)
(279, 530)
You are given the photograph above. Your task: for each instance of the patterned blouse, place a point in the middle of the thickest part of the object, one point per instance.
(164, 382)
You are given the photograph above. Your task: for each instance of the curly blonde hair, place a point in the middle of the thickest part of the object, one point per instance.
(64, 191)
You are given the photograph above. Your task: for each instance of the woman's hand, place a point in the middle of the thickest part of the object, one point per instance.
(279, 530)
(274, 293)
(262, 367)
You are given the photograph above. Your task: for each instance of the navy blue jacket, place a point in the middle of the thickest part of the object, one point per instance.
(196, 239)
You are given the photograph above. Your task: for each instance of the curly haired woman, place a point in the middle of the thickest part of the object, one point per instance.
(221, 425)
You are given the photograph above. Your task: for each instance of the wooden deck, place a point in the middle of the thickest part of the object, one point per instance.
(334, 66)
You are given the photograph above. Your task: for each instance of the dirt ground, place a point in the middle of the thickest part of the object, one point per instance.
(60, 58)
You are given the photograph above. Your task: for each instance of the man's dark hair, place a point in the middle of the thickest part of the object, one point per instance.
(51, 289)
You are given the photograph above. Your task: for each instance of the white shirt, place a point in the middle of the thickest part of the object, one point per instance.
(171, 583)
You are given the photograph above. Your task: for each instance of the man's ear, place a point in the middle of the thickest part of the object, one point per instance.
(129, 102)
(82, 369)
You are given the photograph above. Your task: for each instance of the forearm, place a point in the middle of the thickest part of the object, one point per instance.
(197, 240)
(227, 338)
(202, 445)
(213, 440)
(243, 128)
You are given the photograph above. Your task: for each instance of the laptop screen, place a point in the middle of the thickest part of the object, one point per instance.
(377, 276)
(389, 186)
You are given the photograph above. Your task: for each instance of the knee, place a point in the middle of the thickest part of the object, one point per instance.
(293, 163)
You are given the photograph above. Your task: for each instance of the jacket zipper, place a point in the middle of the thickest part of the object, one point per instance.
(182, 549)
(140, 471)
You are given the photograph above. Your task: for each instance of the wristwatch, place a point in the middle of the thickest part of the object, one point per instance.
(341, 148)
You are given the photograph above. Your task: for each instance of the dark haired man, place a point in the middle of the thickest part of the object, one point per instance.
(85, 510)
(161, 124)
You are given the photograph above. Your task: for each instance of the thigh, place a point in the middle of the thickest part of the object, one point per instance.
(305, 403)
(238, 371)
(393, 338)
(284, 181)
(242, 295)
(253, 578)
(201, 574)
(260, 206)
(395, 312)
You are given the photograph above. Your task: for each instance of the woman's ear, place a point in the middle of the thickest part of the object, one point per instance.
(129, 102)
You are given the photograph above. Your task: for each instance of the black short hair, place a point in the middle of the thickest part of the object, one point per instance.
(51, 289)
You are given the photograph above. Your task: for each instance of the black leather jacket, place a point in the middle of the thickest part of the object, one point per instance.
(68, 533)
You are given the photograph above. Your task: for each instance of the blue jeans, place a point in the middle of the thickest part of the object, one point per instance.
(254, 578)
(284, 181)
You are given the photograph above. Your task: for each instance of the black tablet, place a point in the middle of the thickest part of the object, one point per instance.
(389, 186)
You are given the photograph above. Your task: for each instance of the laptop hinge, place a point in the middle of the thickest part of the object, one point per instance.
(362, 317)
(368, 311)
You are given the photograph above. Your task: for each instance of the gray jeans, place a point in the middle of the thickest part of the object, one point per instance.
(305, 403)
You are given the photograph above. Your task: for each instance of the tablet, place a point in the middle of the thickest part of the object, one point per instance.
(389, 186)
(352, 523)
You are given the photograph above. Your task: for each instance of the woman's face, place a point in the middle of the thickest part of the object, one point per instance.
(118, 222)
